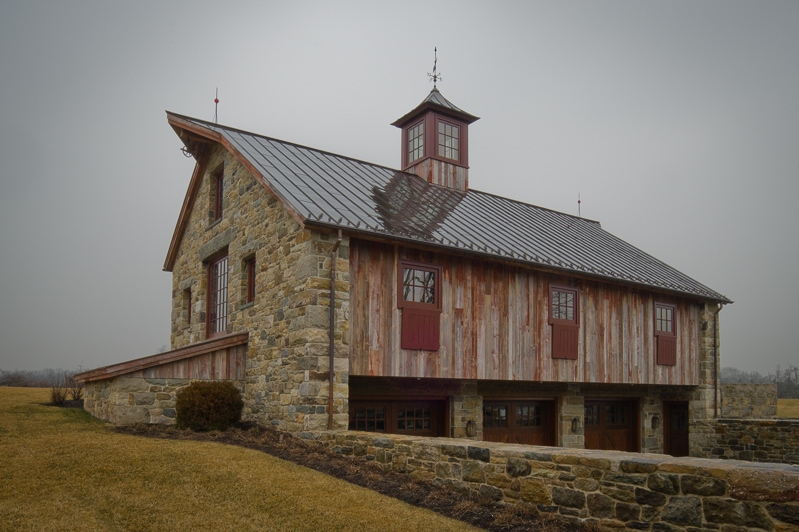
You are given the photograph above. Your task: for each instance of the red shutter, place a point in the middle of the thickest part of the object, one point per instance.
(564, 341)
(667, 350)
(421, 329)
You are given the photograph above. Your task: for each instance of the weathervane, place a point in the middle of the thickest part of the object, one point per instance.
(435, 77)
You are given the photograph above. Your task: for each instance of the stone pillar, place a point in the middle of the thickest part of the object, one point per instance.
(651, 422)
(705, 402)
(570, 406)
(467, 407)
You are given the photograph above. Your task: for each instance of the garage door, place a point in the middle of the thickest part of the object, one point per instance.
(611, 425)
(528, 422)
(417, 418)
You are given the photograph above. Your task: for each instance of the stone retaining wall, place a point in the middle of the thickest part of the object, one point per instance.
(754, 440)
(618, 491)
(129, 400)
(749, 401)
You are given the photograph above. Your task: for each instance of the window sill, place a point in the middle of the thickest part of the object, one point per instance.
(214, 223)
(246, 305)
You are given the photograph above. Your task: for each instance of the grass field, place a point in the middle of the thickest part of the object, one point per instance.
(788, 408)
(63, 470)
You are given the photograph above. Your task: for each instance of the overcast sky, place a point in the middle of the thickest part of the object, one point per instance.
(677, 123)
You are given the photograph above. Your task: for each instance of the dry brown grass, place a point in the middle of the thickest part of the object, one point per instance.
(63, 470)
(788, 408)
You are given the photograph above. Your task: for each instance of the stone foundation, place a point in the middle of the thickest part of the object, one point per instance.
(617, 491)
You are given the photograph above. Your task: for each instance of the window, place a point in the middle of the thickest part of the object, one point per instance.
(217, 296)
(665, 334)
(417, 418)
(564, 316)
(217, 193)
(448, 141)
(415, 142)
(249, 283)
(419, 297)
(187, 305)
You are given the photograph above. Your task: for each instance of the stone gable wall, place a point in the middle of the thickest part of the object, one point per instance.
(618, 491)
(287, 358)
(749, 401)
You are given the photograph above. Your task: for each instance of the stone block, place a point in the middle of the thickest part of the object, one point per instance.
(535, 491)
(600, 505)
(684, 511)
(568, 497)
(473, 471)
(692, 484)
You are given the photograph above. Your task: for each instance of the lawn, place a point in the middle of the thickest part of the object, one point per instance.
(63, 470)
(788, 408)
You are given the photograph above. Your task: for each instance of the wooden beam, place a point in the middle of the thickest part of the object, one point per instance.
(200, 348)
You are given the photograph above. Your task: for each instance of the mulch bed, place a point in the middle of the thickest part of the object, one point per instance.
(481, 513)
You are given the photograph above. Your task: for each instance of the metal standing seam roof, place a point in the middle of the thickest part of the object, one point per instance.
(356, 196)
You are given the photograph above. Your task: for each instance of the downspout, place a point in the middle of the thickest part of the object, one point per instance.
(332, 331)
(716, 360)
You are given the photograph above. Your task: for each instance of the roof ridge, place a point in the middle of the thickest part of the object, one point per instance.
(288, 142)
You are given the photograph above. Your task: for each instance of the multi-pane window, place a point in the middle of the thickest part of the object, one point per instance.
(528, 415)
(665, 334)
(419, 286)
(413, 418)
(664, 319)
(368, 418)
(564, 316)
(495, 416)
(591, 414)
(615, 414)
(418, 295)
(448, 146)
(563, 304)
(217, 296)
(415, 142)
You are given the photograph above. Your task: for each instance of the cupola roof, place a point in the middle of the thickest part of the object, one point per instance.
(435, 100)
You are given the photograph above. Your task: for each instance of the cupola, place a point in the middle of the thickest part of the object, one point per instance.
(435, 142)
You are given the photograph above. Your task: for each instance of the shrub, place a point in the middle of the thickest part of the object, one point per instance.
(58, 394)
(205, 405)
(74, 387)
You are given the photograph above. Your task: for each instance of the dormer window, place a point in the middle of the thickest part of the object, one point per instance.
(415, 142)
(448, 144)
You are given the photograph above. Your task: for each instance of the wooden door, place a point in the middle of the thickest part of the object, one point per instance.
(611, 425)
(527, 422)
(416, 418)
(675, 428)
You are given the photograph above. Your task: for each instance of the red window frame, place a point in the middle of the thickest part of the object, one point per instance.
(249, 268)
(565, 330)
(217, 300)
(411, 147)
(453, 147)
(218, 191)
(421, 321)
(665, 326)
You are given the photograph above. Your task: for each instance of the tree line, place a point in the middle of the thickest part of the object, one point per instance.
(787, 379)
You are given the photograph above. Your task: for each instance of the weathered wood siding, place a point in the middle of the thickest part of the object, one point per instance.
(494, 325)
(223, 364)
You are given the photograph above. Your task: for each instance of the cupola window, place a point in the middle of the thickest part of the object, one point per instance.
(416, 142)
(448, 146)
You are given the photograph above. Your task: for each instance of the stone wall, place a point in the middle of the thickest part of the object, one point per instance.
(125, 400)
(287, 359)
(760, 440)
(618, 491)
(749, 401)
